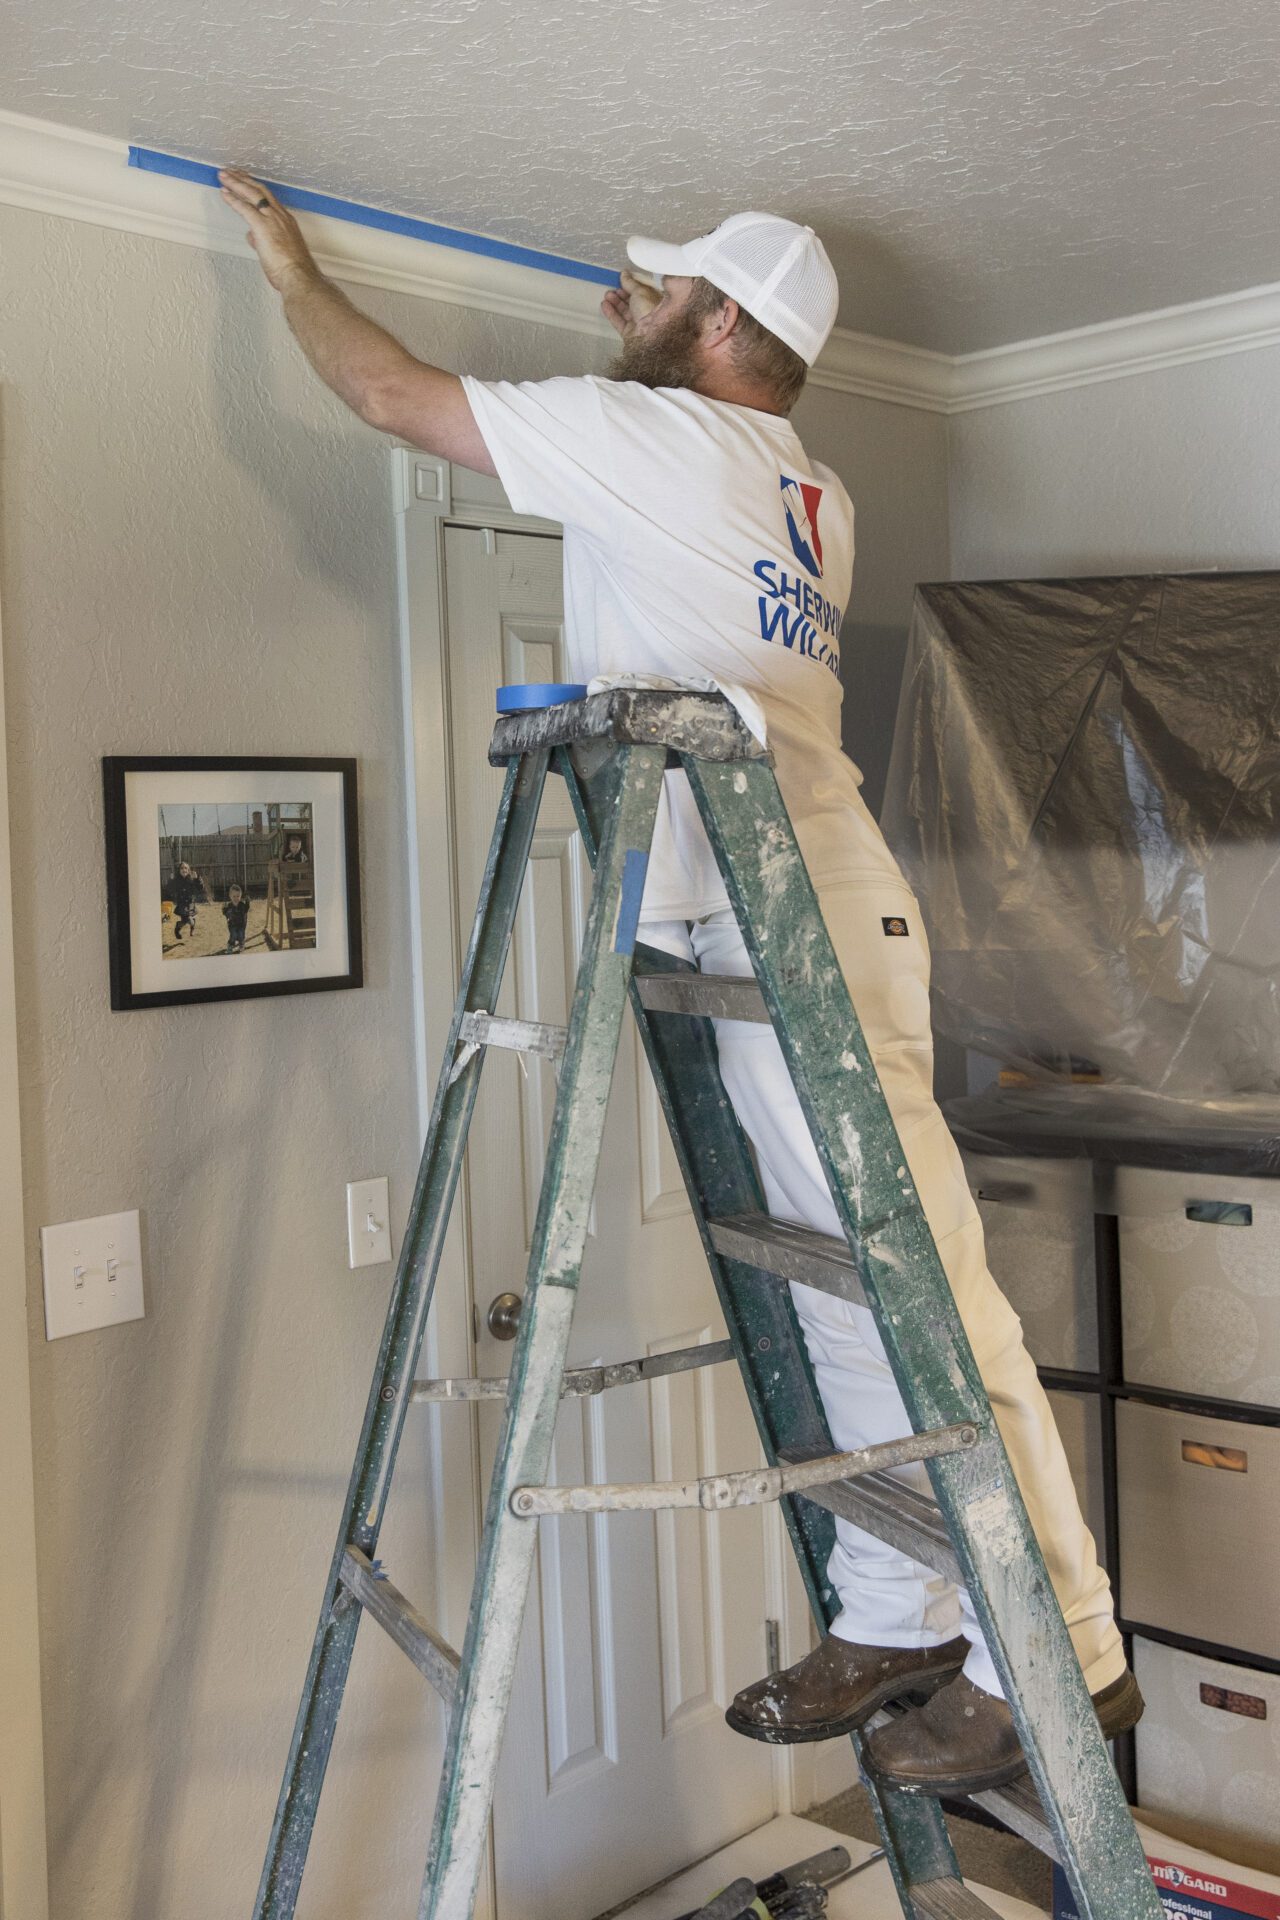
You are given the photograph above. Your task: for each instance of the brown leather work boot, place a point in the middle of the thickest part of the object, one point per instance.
(963, 1740)
(838, 1686)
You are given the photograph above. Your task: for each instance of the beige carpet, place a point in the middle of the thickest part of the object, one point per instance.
(998, 1860)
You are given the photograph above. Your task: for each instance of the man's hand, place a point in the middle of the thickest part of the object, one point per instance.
(273, 231)
(363, 364)
(623, 306)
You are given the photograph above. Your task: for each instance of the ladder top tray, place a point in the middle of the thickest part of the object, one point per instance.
(703, 724)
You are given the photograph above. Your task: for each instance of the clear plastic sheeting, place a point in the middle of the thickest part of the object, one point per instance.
(1085, 793)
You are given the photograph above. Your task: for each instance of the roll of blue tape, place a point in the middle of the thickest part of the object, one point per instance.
(538, 693)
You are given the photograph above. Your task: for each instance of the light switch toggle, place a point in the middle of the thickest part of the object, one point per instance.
(92, 1273)
(368, 1223)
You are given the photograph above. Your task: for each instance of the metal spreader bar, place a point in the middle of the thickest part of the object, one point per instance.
(613, 750)
(582, 1382)
(755, 1487)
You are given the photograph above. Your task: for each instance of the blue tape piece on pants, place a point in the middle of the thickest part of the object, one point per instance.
(150, 161)
(634, 867)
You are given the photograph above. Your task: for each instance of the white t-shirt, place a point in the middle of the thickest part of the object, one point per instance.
(701, 546)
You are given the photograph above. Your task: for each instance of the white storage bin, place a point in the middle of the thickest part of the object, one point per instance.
(1078, 1418)
(1208, 1751)
(1037, 1216)
(1200, 1283)
(1199, 1544)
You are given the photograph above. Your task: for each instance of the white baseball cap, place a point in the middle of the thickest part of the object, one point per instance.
(775, 269)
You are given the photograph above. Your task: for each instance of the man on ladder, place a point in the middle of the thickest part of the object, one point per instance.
(703, 547)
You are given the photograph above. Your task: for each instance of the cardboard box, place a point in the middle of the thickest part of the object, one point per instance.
(1192, 1885)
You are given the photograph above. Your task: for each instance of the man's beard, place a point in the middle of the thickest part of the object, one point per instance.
(666, 359)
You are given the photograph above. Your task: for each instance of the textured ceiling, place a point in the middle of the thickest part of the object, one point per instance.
(981, 170)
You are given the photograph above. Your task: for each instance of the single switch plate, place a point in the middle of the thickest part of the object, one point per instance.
(368, 1223)
(92, 1274)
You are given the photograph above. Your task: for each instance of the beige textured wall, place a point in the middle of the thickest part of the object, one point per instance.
(1168, 470)
(894, 462)
(197, 557)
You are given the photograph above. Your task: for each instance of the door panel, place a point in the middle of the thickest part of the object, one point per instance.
(662, 1193)
(618, 1767)
(689, 1582)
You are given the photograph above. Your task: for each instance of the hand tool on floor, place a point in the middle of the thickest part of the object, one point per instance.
(794, 1893)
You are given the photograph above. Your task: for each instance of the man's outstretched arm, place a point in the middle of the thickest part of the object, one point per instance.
(365, 366)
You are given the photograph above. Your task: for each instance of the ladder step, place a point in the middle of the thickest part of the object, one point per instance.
(949, 1900)
(899, 1515)
(517, 1036)
(1017, 1807)
(754, 1488)
(434, 1658)
(791, 1252)
(715, 996)
(578, 1382)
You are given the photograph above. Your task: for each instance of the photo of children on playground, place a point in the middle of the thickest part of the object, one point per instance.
(236, 878)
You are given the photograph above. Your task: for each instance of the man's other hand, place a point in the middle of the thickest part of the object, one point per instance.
(273, 231)
(623, 306)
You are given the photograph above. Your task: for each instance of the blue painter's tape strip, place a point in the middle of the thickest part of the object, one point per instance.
(305, 201)
(634, 867)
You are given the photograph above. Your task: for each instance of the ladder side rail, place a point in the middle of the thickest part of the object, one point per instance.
(720, 1178)
(401, 1343)
(633, 786)
(907, 1288)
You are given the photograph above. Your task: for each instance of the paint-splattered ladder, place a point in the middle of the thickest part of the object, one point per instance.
(612, 750)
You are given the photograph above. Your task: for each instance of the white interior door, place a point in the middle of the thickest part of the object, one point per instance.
(618, 1766)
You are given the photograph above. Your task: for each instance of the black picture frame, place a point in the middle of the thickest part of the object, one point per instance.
(117, 770)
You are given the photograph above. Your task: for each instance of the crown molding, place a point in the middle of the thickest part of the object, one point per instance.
(85, 176)
(889, 370)
(1116, 349)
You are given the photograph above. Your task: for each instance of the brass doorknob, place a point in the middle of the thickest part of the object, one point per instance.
(504, 1316)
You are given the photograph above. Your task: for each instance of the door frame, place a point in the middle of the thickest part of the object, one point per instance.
(430, 494)
(24, 1864)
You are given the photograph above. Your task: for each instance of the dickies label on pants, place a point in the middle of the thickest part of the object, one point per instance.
(895, 926)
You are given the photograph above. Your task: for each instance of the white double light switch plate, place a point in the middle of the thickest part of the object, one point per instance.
(92, 1274)
(368, 1223)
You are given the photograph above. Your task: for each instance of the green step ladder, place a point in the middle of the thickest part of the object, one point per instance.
(612, 750)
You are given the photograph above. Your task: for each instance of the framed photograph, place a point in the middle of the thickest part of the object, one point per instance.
(227, 879)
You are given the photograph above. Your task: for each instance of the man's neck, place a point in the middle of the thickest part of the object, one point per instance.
(727, 386)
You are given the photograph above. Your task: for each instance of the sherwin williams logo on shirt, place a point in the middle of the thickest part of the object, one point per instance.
(795, 615)
(800, 502)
